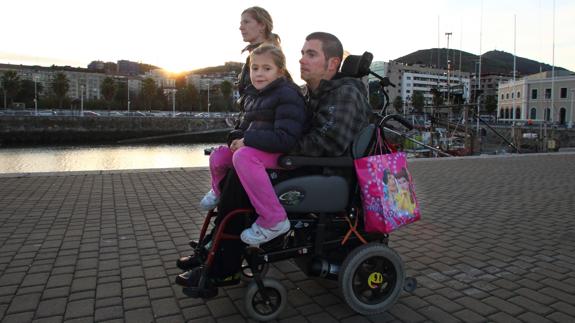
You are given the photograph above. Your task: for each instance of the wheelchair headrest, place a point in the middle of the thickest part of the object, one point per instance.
(356, 65)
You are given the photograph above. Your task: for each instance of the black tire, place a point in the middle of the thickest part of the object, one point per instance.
(371, 278)
(257, 308)
(247, 274)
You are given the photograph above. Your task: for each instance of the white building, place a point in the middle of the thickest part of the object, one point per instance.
(538, 97)
(78, 78)
(420, 78)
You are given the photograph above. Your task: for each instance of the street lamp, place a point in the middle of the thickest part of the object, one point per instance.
(35, 95)
(570, 125)
(82, 100)
(128, 96)
(448, 63)
(174, 102)
(208, 97)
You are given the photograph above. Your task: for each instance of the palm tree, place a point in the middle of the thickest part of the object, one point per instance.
(10, 86)
(226, 88)
(60, 87)
(398, 104)
(148, 92)
(108, 88)
(418, 101)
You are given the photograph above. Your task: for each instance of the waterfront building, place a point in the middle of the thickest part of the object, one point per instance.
(78, 78)
(411, 78)
(128, 67)
(538, 97)
(489, 84)
(161, 78)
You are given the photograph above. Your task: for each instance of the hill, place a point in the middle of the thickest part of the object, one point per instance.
(228, 67)
(492, 62)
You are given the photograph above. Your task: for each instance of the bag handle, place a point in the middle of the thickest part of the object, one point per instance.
(381, 145)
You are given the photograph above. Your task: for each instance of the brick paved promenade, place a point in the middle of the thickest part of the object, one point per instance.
(496, 244)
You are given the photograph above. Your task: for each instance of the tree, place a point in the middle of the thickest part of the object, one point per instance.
(10, 86)
(108, 88)
(121, 96)
(187, 98)
(437, 97)
(375, 96)
(418, 101)
(148, 92)
(490, 103)
(60, 87)
(26, 92)
(398, 103)
(226, 89)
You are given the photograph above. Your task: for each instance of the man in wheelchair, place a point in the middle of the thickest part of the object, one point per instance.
(319, 194)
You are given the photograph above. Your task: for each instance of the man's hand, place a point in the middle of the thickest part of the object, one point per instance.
(237, 144)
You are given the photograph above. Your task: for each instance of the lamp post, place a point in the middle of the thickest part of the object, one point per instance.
(174, 102)
(448, 63)
(570, 125)
(128, 96)
(82, 100)
(208, 97)
(35, 95)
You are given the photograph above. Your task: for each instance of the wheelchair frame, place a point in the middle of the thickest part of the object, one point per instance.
(265, 298)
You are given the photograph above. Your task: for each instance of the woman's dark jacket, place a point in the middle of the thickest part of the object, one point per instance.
(274, 118)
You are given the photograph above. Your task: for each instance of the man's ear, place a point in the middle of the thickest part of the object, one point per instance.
(333, 64)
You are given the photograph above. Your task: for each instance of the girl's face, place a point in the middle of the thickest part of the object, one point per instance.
(252, 31)
(403, 184)
(391, 183)
(263, 70)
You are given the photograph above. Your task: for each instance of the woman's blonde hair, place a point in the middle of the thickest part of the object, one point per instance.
(261, 15)
(277, 56)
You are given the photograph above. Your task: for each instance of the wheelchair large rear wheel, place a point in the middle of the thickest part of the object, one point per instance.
(371, 278)
(266, 307)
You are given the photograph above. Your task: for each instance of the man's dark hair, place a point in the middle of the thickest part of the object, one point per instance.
(331, 46)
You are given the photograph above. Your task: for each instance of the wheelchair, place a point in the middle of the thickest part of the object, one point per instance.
(326, 237)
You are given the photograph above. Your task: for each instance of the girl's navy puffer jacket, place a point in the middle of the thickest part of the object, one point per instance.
(274, 118)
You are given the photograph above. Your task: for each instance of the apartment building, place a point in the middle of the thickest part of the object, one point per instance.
(421, 78)
(538, 97)
(78, 79)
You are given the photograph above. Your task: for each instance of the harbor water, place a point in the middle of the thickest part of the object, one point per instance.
(93, 158)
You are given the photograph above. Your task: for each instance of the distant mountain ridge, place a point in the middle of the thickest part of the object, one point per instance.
(492, 62)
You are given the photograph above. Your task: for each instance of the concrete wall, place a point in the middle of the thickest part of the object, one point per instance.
(28, 130)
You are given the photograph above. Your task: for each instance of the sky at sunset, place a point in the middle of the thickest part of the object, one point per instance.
(181, 35)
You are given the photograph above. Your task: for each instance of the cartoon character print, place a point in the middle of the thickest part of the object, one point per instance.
(388, 193)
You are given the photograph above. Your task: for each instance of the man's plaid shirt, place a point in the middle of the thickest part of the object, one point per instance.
(339, 110)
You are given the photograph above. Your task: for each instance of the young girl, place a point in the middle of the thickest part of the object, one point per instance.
(273, 122)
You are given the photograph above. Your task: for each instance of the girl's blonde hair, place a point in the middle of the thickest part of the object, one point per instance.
(277, 56)
(263, 17)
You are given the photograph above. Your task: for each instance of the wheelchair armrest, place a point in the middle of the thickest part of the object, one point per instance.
(288, 162)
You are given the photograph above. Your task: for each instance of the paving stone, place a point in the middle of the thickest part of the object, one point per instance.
(136, 302)
(406, 314)
(560, 318)
(221, 307)
(469, 316)
(80, 308)
(24, 303)
(108, 313)
(165, 307)
(52, 307)
(142, 315)
(109, 241)
(18, 317)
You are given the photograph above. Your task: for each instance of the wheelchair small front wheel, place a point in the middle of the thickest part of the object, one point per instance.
(371, 278)
(266, 304)
(248, 275)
